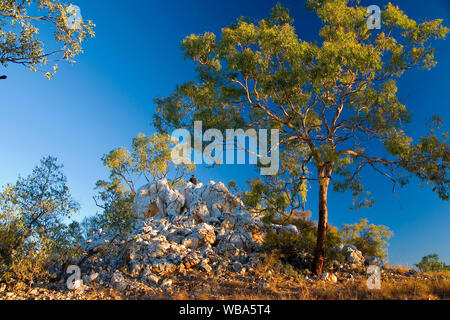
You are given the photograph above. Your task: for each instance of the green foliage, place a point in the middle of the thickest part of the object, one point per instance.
(430, 159)
(28, 263)
(19, 29)
(431, 263)
(117, 215)
(333, 250)
(290, 246)
(284, 193)
(33, 234)
(148, 160)
(280, 15)
(371, 239)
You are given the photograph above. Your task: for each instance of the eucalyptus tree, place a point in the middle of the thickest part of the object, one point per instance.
(33, 230)
(337, 97)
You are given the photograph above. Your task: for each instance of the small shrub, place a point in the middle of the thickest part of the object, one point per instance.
(371, 239)
(431, 262)
(298, 249)
(333, 251)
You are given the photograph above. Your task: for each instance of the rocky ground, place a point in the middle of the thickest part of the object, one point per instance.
(199, 242)
(252, 284)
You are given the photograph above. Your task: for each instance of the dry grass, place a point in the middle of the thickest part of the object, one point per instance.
(298, 288)
(390, 290)
(282, 287)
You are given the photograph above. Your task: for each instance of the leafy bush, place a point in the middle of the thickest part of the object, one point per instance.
(371, 239)
(33, 235)
(431, 263)
(298, 249)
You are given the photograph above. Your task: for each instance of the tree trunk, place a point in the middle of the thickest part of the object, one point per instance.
(319, 254)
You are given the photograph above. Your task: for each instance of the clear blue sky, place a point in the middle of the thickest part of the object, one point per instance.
(105, 100)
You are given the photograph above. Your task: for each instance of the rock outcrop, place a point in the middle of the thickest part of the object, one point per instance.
(193, 226)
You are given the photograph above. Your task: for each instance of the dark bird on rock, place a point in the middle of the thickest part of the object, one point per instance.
(193, 180)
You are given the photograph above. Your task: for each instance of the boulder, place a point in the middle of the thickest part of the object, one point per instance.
(331, 277)
(237, 266)
(118, 281)
(354, 258)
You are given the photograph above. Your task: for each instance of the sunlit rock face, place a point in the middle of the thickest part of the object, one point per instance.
(192, 226)
(203, 202)
(157, 199)
(353, 257)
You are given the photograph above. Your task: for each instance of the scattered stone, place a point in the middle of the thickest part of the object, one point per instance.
(167, 283)
(94, 276)
(236, 266)
(324, 275)
(205, 266)
(90, 278)
(150, 277)
(195, 230)
(118, 281)
(329, 277)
